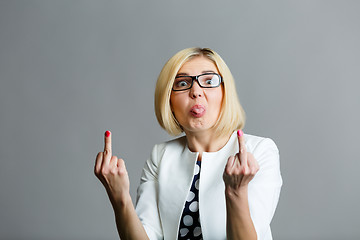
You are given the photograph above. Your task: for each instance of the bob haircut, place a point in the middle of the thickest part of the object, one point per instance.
(232, 114)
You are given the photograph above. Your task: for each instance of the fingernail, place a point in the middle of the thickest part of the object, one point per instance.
(240, 132)
(107, 133)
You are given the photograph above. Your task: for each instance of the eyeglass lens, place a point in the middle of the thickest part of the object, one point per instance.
(205, 80)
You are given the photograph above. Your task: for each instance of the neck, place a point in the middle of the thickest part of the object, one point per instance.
(206, 141)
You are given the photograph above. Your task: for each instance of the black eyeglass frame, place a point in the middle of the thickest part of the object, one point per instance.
(197, 80)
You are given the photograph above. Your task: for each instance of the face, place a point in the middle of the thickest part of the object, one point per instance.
(197, 109)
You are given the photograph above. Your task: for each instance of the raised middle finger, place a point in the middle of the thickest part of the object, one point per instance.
(242, 148)
(107, 147)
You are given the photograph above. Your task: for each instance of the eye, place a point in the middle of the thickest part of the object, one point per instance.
(181, 83)
(209, 82)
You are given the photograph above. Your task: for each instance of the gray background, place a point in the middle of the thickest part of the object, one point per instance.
(70, 70)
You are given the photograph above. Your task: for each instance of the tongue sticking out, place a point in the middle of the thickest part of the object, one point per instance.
(197, 111)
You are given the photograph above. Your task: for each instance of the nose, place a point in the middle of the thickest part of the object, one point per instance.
(196, 91)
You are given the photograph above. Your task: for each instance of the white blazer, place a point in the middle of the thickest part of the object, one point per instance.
(167, 177)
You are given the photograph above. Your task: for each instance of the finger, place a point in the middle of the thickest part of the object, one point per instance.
(242, 148)
(121, 165)
(98, 162)
(113, 162)
(253, 164)
(229, 165)
(107, 147)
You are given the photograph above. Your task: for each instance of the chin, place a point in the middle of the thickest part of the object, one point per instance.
(198, 127)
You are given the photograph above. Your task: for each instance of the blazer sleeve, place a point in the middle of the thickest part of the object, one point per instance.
(264, 189)
(147, 197)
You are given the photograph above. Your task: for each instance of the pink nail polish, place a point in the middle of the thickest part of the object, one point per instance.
(107, 133)
(240, 132)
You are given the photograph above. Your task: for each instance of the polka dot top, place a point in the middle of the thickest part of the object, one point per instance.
(190, 227)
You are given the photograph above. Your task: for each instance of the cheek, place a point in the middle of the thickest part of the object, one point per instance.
(217, 99)
(176, 102)
(172, 103)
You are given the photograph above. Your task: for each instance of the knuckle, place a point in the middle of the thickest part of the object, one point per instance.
(113, 171)
(243, 149)
(122, 171)
(104, 171)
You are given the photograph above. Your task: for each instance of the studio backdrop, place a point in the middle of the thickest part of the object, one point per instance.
(70, 70)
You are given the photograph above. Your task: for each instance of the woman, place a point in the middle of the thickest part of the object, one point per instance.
(213, 183)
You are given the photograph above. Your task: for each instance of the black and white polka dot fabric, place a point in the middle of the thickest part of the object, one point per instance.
(190, 227)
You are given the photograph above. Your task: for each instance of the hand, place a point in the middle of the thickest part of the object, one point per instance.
(241, 168)
(111, 171)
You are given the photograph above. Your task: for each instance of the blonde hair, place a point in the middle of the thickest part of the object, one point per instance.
(232, 114)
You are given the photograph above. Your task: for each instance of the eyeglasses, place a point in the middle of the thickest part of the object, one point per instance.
(206, 80)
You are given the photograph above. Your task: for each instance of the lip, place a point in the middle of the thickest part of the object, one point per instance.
(197, 110)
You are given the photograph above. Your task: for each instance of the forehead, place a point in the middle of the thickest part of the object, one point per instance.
(198, 65)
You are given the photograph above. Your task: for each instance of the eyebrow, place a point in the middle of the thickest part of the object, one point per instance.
(185, 74)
